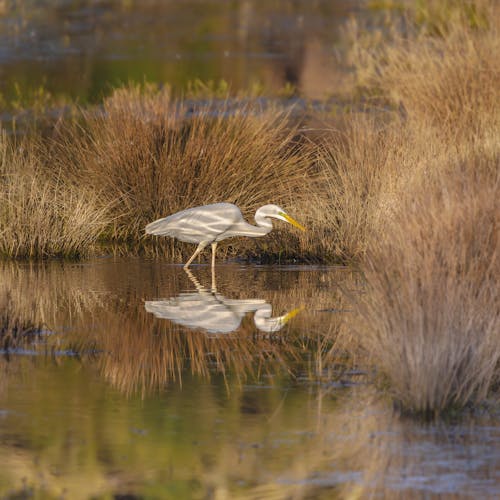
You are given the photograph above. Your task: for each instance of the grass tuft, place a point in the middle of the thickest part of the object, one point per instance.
(43, 215)
(151, 156)
(431, 314)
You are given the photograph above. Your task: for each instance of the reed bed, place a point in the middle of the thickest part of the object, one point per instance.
(430, 318)
(43, 214)
(432, 308)
(150, 155)
(404, 189)
(446, 83)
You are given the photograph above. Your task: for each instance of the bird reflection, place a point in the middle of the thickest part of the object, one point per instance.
(212, 312)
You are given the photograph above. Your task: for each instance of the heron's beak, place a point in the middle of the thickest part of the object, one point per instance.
(293, 222)
(291, 314)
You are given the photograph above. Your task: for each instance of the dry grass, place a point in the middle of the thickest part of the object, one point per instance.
(406, 190)
(43, 215)
(439, 17)
(430, 317)
(363, 164)
(448, 82)
(151, 156)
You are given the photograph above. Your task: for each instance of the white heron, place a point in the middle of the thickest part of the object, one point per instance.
(210, 224)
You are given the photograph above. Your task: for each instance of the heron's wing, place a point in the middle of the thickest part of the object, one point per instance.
(198, 224)
(242, 306)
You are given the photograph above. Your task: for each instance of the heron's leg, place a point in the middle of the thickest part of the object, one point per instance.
(200, 247)
(214, 248)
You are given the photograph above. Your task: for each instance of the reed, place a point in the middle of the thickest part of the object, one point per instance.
(41, 213)
(150, 155)
(447, 82)
(431, 313)
(429, 319)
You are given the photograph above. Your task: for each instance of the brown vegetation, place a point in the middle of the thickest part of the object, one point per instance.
(151, 156)
(430, 318)
(41, 212)
(431, 315)
(405, 189)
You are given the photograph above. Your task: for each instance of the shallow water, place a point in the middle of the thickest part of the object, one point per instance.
(151, 382)
(82, 48)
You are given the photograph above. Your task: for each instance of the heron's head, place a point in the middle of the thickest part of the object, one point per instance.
(279, 213)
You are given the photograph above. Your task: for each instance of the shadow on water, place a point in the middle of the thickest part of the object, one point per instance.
(188, 385)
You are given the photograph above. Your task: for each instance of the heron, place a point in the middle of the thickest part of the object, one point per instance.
(209, 224)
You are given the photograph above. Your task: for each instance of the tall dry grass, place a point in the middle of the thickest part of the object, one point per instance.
(41, 213)
(150, 155)
(363, 162)
(447, 83)
(430, 317)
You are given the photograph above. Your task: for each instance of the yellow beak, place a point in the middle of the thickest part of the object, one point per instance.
(291, 314)
(292, 221)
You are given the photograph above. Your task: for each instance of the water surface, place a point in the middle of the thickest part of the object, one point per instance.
(151, 382)
(148, 381)
(83, 48)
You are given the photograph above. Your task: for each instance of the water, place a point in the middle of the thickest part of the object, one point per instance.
(83, 48)
(154, 383)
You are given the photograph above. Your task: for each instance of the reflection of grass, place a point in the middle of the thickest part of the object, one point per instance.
(184, 441)
(137, 352)
(202, 441)
(147, 353)
(150, 362)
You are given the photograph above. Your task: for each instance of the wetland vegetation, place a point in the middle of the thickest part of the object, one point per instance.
(396, 176)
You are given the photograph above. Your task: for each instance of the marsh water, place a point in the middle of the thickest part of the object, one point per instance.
(82, 49)
(130, 378)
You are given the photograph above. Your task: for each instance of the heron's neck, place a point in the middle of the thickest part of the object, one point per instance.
(264, 224)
